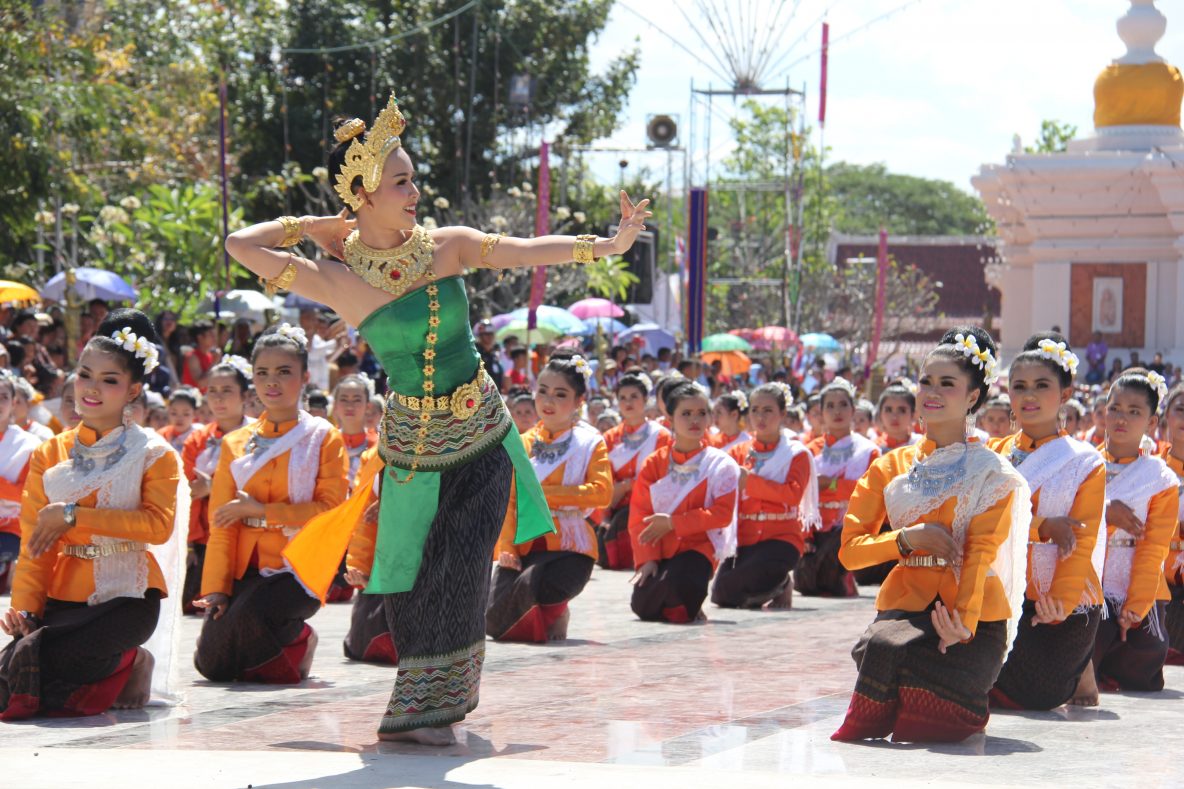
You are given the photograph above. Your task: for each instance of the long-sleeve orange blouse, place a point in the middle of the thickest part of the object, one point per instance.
(1075, 576)
(977, 597)
(12, 491)
(615, 435)
(595, 491)
(691, 519)
(360, 555)
(832, 497)
(199, 509)
(70, 578)
(1170, 573)
(1147, 567)
(232, 549)
(766, 497)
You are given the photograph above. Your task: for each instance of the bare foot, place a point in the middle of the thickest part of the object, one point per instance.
(306, 664)
(1086, 694)
(558, 629)
(435, 736)
(783, 601)
(138, 690)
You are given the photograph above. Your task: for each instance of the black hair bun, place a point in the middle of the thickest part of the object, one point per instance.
(128, 318)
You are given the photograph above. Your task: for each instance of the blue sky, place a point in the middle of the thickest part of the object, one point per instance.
(935, 90)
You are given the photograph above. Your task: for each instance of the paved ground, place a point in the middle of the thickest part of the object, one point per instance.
(748, 699)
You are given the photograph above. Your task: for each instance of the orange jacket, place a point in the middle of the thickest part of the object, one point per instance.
(199, 509)
(691, 519)
(629, 470)
(762, 496)
(1171, 574)
(360, 555)
(1147, 567)
(596, 491)
(1075, 580)
(843, 487)
(72, 579)
(977, 597)
(231, 550)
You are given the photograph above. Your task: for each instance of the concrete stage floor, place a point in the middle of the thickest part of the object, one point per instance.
(748, 699)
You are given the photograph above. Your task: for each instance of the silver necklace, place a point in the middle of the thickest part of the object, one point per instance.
(930, 481)
(107, 449)
(549, 453)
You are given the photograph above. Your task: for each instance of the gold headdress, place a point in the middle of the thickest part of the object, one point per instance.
(367, 158)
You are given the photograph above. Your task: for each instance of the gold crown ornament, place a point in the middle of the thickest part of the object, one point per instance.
(366, 157)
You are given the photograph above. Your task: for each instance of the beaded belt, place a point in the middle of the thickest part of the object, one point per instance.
(93, 552)
(1122, 542)
(792, 515)
(462, 426)
(924, 561)
(259, 523)
(833, 505)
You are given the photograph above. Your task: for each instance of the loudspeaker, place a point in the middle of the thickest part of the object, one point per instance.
(642, 260)
(662, 130)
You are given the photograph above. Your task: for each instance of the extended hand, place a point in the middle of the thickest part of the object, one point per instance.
(199, 486)
(657, 526)
(1120, 516)
(949, 627)
(1049, 611)
(51, 526)
(632, 222)
(329, 232)
(240, 507)
(14, 624)
(370, 516)
(355, 577)
(932, 539)
(215, 604)
(1061, 531)
(1127, 620)
(644, 573)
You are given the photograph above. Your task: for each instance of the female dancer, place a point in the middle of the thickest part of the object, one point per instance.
(1067, 479)
(728, 415)
(863, 420)
(533, 583)
(183, 405)
(1141, 515)
(1174, 566)
(896, 411)
(629, 444)
(682, 518)
(947, 611)
(447, 438)
(778, 504)
(87, 590)
(841, 458)
(995, 420)
(16, 447)
(225, 395)
(272, 477)
(350, 398)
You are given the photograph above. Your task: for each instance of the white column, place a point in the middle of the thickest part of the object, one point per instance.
(1050, 296)
(1015, 316)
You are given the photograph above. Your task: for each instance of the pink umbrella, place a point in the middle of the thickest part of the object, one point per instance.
(775, 335)
(595, 308)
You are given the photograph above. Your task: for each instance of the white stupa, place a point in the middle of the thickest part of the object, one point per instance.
(1092, 240)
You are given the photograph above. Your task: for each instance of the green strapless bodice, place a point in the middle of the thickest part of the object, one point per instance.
(396, 332)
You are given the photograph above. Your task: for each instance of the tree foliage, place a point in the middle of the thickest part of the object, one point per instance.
(869, 197)
(1054, 137)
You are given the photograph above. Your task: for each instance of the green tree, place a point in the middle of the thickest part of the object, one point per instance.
(869, 197)
(1054, 137)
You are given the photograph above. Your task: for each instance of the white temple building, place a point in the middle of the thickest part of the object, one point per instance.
(1092, 239)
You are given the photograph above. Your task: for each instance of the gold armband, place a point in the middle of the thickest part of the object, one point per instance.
(293, 231)
(281, 281)
(584, 251)
(488, 244)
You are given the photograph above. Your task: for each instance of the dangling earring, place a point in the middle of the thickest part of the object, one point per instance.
(970, 424)
(128, 414)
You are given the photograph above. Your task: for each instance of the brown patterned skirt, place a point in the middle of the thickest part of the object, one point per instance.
(1046, 661)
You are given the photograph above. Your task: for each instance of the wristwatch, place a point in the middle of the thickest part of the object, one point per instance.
(70, 515)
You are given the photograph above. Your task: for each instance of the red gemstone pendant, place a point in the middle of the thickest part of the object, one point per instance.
(396, 275)
(470, 403)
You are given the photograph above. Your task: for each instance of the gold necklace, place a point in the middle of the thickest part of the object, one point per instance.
(391, 270)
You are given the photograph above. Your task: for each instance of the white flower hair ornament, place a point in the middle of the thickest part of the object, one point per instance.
(983, 359)
(241, 365)
(909, 386)
(1057, 352)
(645, 379)
(1158, 383)
(741, 399)
(294, 333)
(582, 366)
(842, 383)
(138, 346)
(786, 391)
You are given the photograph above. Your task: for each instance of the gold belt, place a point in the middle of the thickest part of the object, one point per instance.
(1122, 542)
(924, 561)
(462, 403)
(259, 523)
(93, 552)
(770, 516)
(833, 505)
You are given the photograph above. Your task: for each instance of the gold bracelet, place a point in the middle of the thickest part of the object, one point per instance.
(584, 251)
(293, 231)
(281, 281)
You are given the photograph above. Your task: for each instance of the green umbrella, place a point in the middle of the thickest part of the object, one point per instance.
(725, 342)
(540, 333)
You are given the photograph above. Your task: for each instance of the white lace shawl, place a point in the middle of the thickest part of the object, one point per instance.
(1057, 469)
(740, 438)
(1135, 486)
(621, 454)
(304, 442)
(987, 479)
(207, 459)
(126, 574)
(776, 469)
(574, 532)
(848, 457)
(722, 474)
(15, 448)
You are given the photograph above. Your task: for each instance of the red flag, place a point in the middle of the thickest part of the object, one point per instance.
(822, 82)
(542, 226)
